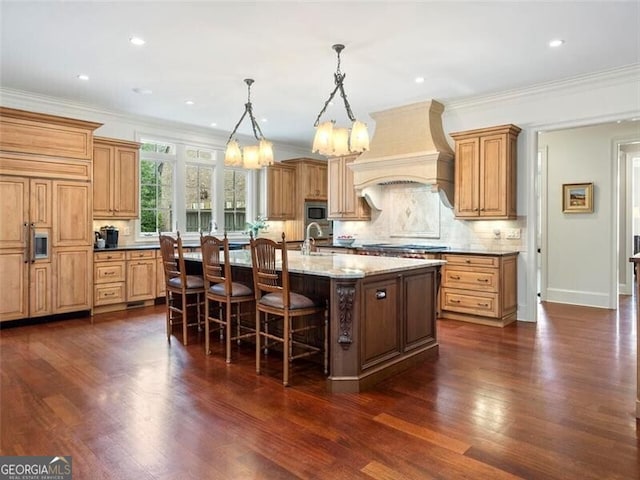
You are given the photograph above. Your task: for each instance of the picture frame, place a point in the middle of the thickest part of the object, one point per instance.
(577, 197)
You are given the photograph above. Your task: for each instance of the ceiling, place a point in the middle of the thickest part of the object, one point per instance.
(202, 51)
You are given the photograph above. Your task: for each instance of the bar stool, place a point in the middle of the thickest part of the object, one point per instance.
(221, 289)
(188, 289)
(281, 309)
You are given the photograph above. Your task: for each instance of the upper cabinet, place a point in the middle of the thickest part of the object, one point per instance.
(115, 178)
(344, 203)
(281, 192)
(485, 173)
(312, 179)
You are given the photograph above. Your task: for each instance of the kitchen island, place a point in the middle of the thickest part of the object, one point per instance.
(382, 311)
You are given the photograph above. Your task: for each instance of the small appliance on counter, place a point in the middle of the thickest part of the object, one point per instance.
(110, 236)
(100, 242)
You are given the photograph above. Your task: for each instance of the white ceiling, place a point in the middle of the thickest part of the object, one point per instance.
(203, 51)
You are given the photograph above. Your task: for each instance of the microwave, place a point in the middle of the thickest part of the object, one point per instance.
(315, 212)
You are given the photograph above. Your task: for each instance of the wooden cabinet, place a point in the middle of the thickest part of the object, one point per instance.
(109, 278)
(115, 178)
(479, 288)
(45, 200)
(281, 192)
(343, 202)
(485, 173)
(161, 285)
(141, 275)
(311, 178)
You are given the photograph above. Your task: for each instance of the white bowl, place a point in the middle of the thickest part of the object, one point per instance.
(345, 242)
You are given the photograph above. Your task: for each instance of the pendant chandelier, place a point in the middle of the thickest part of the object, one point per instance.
(333, 141)
(252, 156)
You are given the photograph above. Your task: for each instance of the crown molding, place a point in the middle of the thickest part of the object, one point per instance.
(606, 78)
(58, 106)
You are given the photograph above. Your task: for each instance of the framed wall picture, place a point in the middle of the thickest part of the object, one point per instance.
(577, 197)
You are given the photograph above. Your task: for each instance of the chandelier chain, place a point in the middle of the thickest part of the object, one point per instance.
(248, 108)
(338, 79)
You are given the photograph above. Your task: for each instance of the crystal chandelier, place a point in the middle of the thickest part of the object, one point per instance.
(252, 156)
(333, 141)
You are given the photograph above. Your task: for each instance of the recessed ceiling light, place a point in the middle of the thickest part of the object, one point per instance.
(214, 124)
(189, 102)
(264, 120)
(419, 79)
(84, 77)
(143, 91)
(137, 40)
(556, 43)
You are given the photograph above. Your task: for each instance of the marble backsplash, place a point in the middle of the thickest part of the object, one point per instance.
(413, 214)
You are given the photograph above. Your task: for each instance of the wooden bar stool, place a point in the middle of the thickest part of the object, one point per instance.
(283, 310)
(221, 289)
(188, 289)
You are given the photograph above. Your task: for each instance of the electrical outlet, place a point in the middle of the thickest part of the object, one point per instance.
(513, 234)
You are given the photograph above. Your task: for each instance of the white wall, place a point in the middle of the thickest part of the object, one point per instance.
(579, 265)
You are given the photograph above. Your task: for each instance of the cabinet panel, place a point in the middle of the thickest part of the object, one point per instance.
(40, 204)
(73, 279)
(344, 203)
(474, 303)
(14, 294)
(493, 175)
(420, 296)
(281, 192)
(109, 272)
(471, 278)
(41, 289)
(141, 279)
(467, 196)
(72, 214)
(102, 192)
(109, 293)
(126, 183)
(380, 327)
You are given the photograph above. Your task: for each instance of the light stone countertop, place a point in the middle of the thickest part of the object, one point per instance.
(333, 265)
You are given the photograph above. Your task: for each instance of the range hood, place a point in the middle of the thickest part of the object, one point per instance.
(408, 146)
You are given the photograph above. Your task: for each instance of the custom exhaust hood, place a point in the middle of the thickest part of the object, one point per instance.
(408, 146)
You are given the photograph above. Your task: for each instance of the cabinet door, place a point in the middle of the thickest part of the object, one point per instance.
(141, 280)
(40, 203)
(73, 214)
(421, 294)
(281, 191)
(334, 201)
(380, 324)
(14, 294)
(73, 273)
(493, 176)
(125, 182)
(102, 181)
(315, 181)
(467, 173)
(14, 213)
(353, 206)
(40, 289)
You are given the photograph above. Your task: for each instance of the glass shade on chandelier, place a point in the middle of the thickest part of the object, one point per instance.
(252, 156)
(332, 141)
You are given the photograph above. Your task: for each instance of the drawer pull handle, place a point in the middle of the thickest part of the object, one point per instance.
(483, 280)
(467, 261)
(454, 301)
(109, 294)
(454, 277)
(109, 273)
(483, 305)
(381, 294)
(109, 257)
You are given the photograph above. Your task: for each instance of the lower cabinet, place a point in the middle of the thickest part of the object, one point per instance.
(72, 267)
(479, 288)
(141, 275)
(124, 279)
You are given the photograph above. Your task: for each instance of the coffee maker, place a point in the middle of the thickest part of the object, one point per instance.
(110, 235)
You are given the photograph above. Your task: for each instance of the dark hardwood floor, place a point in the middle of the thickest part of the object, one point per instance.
(552, 400)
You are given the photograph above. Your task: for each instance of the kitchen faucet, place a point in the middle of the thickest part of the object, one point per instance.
(306, 246)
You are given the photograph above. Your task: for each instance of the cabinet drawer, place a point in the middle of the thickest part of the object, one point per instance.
(108, 256)
(108, 293)
(109, 272)
(484, 304)
(471, 260)
(471, 278)
(137, 254)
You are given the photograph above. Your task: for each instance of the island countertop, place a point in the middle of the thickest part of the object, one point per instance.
(333, 265)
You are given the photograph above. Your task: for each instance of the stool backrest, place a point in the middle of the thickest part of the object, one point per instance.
(215, 261)
(264, 259)
(172, 258)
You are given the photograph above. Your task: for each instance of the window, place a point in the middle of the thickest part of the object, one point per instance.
(186, 188)
(235, 199)
(156, 187)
